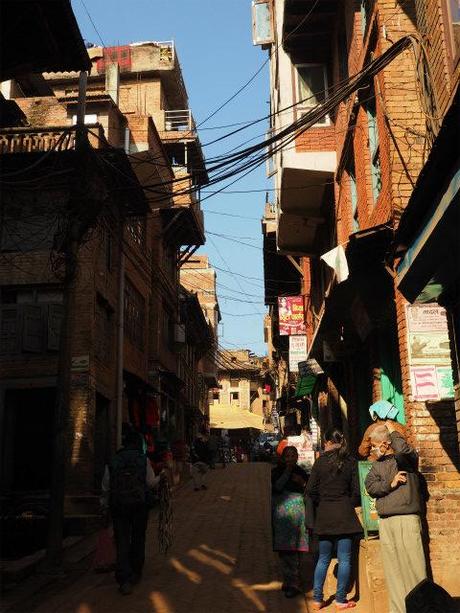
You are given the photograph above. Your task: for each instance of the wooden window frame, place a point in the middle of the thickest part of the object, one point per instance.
(300, 108)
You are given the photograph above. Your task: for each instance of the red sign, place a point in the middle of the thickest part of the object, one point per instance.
(291, 315)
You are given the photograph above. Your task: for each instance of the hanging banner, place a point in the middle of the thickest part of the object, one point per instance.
(297, 351)
(291, 315)
(429, 352)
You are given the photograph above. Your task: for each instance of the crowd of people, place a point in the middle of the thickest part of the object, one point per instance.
(318, 511)
(313, 512)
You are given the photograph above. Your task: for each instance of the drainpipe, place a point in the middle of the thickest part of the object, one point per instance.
(120, 343)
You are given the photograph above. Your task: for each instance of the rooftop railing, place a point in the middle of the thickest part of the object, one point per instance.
(179, 121)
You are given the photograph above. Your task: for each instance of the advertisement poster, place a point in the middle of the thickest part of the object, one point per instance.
(429, 352)
(291, 315)
(297, 351)
(304, 446)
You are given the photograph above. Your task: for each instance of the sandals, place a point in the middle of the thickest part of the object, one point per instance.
(341, 606)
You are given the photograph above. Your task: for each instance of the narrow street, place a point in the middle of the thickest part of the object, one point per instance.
(221, 561)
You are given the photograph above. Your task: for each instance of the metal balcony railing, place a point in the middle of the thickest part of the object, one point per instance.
(179, 121)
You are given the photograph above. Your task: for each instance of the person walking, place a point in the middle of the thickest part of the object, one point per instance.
(334, 489)
(394, 482)
(200, 457)
(126, 486)
(213, 443)
(290, 536)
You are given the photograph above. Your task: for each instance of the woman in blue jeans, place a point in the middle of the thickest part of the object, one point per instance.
(334, 488)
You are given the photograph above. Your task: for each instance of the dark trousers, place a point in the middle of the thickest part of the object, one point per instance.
(129, 531)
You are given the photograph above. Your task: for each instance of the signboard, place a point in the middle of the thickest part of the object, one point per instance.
(304, 446)
(297, 351)
(80, 363)
(262, 24)
(291, 315)
(310, 367)
(429, 352)
(369, 512)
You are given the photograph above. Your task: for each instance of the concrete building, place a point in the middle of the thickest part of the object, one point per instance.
(345, 183)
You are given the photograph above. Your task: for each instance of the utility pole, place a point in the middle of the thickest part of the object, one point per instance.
(61, 446)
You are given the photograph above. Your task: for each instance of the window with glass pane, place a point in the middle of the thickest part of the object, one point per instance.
(374, 148)
(367, 6)
(454, 9)
(353, 195)
(311, 86)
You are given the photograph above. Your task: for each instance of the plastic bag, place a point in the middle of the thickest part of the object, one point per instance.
(105, 556)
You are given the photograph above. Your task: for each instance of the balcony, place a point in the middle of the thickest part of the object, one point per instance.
(179, 121)
(41, 140)
(309, 34)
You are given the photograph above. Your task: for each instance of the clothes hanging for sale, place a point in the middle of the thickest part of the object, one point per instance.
(152, 413)
(135, 413)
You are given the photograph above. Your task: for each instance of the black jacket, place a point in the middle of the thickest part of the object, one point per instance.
(335, 495)
(200, 451)
(405, 499)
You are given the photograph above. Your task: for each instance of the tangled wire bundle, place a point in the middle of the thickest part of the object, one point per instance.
(165, 524)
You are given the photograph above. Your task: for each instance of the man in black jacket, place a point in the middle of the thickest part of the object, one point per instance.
(394, 482)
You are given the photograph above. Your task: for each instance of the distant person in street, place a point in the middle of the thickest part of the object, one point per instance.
(334, 489)
(126, 490)
(394, 482)
(380, 412)
(213, 443)
(200, 458)
(290, 535)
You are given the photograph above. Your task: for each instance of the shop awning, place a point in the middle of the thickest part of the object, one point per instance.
(232, 418)
(305, 386)
(427, 235)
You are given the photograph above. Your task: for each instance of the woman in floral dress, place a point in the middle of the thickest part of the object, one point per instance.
(290, 535)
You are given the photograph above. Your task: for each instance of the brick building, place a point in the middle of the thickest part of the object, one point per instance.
(133, 344)
(242, 379)
(345, 183)
(199, 278)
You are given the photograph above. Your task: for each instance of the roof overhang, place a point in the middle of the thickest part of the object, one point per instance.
(308, 34)
(40, 36)
(233, 418)
(184, 225)
(302, 189)
(428, 234)
(297, 234)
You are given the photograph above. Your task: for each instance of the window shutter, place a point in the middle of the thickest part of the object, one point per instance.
(55, 316)
(32, 336)
(9, 329)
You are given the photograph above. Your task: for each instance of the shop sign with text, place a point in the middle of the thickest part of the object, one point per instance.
(291, 315)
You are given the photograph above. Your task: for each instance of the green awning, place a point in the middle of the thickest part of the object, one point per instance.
(305, 385)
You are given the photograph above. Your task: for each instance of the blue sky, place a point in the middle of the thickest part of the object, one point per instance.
(213, 40)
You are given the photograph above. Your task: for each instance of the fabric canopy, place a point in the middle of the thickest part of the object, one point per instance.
(305, 385)
(231, 418)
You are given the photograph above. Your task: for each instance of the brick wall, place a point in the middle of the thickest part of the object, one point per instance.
(43, 111)
(316, 139)
(434, 430)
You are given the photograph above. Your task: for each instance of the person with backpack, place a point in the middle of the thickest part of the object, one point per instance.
(126, 490)
(200, 460)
